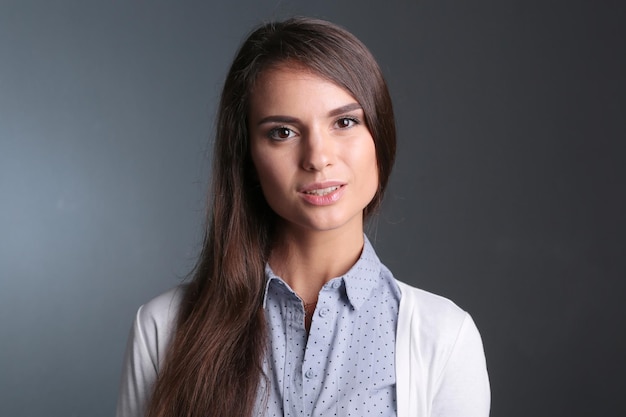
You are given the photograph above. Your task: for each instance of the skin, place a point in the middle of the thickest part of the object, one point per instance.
(309, 134)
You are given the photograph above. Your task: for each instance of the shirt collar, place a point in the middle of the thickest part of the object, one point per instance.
(359, 281)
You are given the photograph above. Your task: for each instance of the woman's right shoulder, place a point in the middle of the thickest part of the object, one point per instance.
(149, 338)
(163, 309)
(155, 322)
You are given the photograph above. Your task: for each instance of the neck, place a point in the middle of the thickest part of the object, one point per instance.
(308, 260)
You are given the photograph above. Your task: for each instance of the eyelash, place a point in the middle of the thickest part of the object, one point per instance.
(272, 134)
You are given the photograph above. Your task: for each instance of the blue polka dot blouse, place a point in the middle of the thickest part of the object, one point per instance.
(345, 365)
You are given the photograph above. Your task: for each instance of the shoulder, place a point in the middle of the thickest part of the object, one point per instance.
(162, 309)
(155, 322)
(429, 307)
(149, 338)
(440, 359)
(435, 322)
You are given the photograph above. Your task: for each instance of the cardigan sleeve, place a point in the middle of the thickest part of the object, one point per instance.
(139, 373)
(145, 351)
(463, 386)
(440, 365)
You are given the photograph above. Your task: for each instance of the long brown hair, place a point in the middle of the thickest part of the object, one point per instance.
(214, 363)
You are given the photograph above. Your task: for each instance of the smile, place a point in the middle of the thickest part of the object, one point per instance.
(322, 191)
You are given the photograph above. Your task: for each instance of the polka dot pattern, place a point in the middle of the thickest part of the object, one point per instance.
(345, 365)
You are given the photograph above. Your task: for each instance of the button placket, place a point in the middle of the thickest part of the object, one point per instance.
(318, 350)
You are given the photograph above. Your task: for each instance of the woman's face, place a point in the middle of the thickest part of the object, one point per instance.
(314, 156)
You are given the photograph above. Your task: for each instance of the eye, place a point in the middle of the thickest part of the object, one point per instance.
(281, 133)
(346, 122)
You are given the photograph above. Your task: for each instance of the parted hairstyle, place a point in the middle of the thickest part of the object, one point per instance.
(213, 366)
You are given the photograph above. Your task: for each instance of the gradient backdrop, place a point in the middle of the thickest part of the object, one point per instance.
(508, 195)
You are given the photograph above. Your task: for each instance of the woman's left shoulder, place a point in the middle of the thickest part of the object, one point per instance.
(437, 319)
(440, 339)
(418, 300)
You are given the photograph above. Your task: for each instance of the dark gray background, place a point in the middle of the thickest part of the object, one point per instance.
(508, 193)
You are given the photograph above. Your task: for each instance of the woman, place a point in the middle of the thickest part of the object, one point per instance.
(289, 311)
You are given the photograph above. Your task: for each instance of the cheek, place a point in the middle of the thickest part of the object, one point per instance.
(270, 176)
(370, 169)
(264, 167)
(374, 180)
(370, 164)
(260, 163)
(371, 184)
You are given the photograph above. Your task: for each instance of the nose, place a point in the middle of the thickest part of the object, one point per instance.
(317, 151)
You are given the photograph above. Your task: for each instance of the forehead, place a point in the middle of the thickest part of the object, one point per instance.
(296, 88)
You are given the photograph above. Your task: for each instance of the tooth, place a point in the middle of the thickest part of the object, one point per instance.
(323, 191)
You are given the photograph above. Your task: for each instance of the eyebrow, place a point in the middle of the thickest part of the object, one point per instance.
(288, 119)
(345, 109)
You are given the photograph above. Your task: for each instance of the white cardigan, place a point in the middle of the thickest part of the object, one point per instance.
(440, 364)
